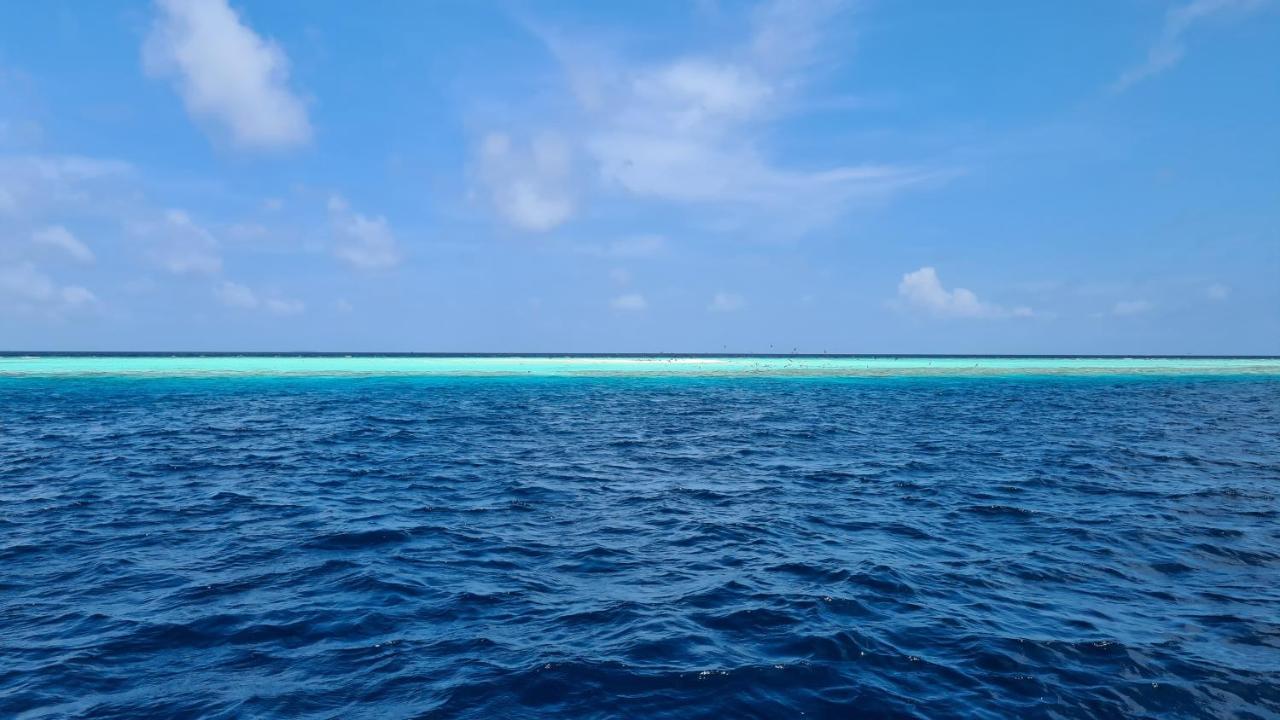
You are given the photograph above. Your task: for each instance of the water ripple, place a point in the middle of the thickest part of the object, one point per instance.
(368, 547)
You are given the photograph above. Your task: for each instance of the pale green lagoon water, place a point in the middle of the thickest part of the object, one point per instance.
(635, 366)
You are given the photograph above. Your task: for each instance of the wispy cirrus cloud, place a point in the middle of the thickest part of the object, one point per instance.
(63, 242)
(1170, 46)
(692, 129)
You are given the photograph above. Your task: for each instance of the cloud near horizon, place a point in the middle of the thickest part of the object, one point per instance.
(923, 290)
(25, 289)
(363, 242)
(239, 296)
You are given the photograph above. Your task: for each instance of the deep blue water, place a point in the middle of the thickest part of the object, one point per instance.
(679, 548)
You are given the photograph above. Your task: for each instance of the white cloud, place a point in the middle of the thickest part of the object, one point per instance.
(1170, 47)
(693, 129)
(629, 302)
(226, 72)
(180, 245)
(364, 242)
(26, 282)
(726, 302)
(284, 306)
(239, 296)
(695, 94)
(1131, 307)
(529, 185)
(1217, 291)
(24, 288)
(789, 33)
(236, 295)
(74, 296)
(59, 238)
(922, 290)
(34, 185)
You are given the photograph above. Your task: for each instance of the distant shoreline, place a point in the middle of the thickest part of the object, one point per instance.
(715, 366)
(663, 355)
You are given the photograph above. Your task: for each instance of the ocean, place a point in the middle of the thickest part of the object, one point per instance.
(610, 537)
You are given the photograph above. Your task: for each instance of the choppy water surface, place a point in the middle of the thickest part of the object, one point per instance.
(374, 547)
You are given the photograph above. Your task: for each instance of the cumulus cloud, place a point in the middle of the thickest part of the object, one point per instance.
(1170, 47)
(60, 239)
(528, 184)
(363, 242)
(726, 302)
(629, 302)
(242, 297)
(226, 73)
(923, 290)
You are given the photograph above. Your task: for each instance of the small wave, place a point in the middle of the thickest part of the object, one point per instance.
(598, 547)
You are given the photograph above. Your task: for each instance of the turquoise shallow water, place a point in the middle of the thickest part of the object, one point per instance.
(624, 366)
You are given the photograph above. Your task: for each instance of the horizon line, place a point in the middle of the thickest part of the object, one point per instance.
(660, 354)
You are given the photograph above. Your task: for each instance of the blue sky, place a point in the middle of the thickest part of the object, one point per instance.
(991, 177)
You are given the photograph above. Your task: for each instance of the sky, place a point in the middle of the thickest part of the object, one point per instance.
(1093, 177)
